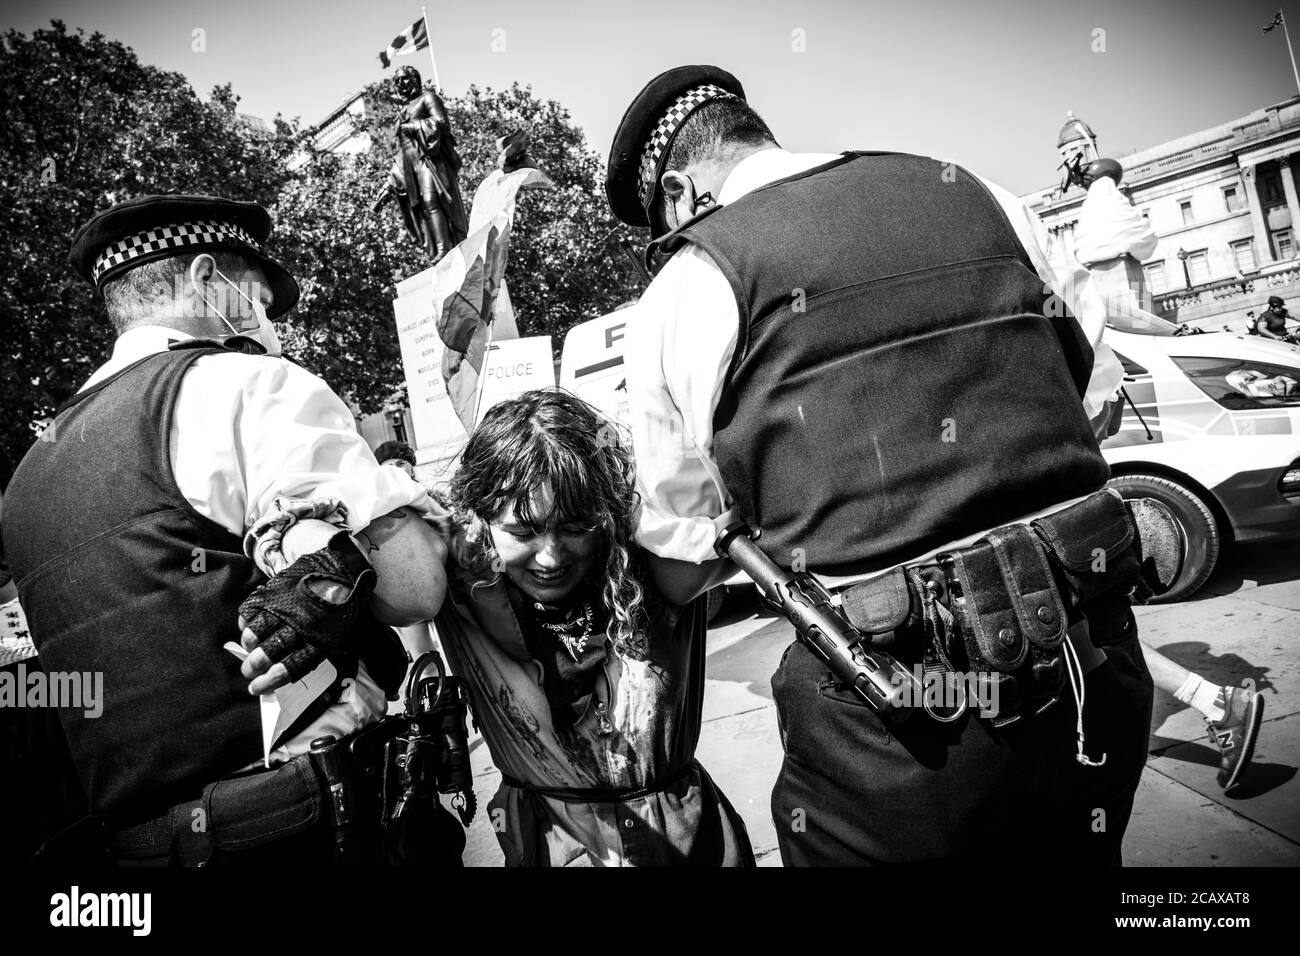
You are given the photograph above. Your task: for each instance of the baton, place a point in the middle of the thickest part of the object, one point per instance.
(875, 676)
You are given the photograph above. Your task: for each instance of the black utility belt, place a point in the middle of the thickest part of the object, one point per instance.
(992, 617)
(233, 814)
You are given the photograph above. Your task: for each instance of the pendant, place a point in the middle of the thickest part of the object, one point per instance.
(603, 726)
(574, 645)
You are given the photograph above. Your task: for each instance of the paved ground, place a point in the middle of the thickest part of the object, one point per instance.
(1245, 623)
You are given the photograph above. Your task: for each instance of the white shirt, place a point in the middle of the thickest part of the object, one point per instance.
(680, 341)
(250, 428)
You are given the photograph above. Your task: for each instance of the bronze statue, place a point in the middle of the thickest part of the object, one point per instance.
(423, 177)
(512, 150)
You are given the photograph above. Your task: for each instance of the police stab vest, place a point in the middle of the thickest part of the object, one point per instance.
(902, 376)
(119, 575)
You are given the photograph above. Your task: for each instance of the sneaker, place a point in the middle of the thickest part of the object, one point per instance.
(1235, 734)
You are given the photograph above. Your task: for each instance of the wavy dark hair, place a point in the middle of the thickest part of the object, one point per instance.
(551, 437)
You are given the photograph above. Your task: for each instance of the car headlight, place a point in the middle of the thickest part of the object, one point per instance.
(1241, 384)
(1290, 483)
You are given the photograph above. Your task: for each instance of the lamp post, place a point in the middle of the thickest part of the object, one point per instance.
(1187, 276)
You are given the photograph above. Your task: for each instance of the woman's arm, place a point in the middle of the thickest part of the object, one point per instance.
(681, 581)
(408, 556)
(410, 562)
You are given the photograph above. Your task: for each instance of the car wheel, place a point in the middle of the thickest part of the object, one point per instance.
(1201, 538)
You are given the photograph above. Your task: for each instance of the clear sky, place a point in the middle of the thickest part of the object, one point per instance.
(983, 83)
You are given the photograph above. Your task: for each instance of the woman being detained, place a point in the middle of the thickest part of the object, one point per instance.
(586, 683)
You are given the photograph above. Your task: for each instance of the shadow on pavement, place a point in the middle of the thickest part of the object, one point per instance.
(1260, 778)
(741, 601)
(1228, 669)
(1265, 563)
(751, 660)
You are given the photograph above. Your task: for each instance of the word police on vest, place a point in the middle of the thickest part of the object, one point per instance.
(74, 908)
(71, 690)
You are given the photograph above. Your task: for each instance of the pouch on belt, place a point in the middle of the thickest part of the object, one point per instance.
(1012, 615)
(883, 607)
(1110, 553)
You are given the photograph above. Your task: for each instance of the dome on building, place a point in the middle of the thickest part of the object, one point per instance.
(1075, 130)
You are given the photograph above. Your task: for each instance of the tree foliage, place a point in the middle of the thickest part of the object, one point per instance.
(84, 124)
(565, 262)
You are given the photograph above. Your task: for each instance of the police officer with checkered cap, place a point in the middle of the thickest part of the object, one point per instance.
(201, 496)
(853, 352)
(639, 156)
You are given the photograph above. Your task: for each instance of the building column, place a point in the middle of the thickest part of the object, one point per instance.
(1263, 248)
(1288, 188)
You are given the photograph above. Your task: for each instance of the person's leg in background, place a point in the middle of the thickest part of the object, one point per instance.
(1232, 714)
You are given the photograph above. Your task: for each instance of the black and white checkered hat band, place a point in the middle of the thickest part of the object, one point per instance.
(168, 239)
(666, 127)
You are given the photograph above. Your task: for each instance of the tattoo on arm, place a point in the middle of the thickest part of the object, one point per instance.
(381, 529)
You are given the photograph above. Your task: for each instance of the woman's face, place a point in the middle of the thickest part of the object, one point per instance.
(546, 563)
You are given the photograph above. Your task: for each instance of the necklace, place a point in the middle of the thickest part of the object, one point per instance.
(575, 645)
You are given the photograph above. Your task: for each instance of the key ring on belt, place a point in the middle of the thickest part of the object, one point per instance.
(938, 623)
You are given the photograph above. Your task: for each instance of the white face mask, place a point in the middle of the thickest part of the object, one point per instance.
(264, 334)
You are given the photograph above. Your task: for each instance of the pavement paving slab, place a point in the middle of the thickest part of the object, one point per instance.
(740, 668)
(1267, 796)
(481, 848)
(742, 753)
(1173, 825)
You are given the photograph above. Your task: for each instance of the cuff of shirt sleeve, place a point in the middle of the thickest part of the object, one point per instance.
(343, 504)
(682, 539)
(265, 539)
(1107, 378)
(390, 489)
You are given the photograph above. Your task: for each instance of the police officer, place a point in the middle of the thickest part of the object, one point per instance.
(860, 356)
(143, 526)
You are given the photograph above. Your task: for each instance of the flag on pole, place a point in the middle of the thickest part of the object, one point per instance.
(449, 316)
(466, 285)
(1277, 22)
(415, 37)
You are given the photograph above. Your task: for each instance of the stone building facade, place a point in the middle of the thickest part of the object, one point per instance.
(1224, 205)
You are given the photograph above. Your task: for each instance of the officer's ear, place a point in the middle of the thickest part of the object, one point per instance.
(679, 190)
(677, 187)
(206, 296)
(202, 268)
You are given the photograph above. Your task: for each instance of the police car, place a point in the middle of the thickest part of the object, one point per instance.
(1210, 426)
(591, 364)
